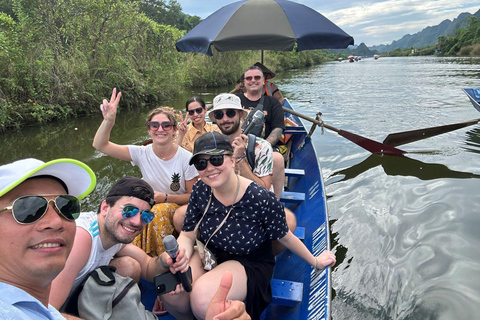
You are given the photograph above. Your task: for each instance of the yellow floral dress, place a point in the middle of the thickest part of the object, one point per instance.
(149, 240)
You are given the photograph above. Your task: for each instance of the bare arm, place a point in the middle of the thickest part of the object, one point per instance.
(177, 198)
(326, 258)
(77, 259)
(239, 145)
(245, 171)
(274, 136)
(101, 141)
(150, 265)
(279, 96)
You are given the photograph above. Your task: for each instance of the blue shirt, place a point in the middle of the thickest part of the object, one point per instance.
(16, 304)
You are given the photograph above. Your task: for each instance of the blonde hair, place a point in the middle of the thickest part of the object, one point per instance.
(168, 111)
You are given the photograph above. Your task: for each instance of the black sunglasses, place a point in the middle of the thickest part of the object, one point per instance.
(130, 211)
(155, 125)
(28, 209)
(219, 113)
(216, 161)
(257, 78)
(197, 110)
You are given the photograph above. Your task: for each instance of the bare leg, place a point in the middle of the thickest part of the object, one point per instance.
(179, 217)
(127, 267)
(278, 176)
(205, 287)
(292, 225)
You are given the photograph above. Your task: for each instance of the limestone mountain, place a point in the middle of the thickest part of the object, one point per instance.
(429, 35)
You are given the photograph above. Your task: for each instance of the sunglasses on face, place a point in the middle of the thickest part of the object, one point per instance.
(28, 209)
(130, 211)
(219, 114)
(257, 78)
(155, 125)
(216, 161)
(197, 110)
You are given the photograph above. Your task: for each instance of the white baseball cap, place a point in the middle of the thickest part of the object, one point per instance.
(226, 101)
(77, 176)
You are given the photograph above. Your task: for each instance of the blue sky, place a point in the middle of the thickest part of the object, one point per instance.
(373, 22)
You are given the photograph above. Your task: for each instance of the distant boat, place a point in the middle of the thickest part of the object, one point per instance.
(474, 96)
(376, 56)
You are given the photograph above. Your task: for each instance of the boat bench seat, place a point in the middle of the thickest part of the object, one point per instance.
(292, 197)
(286, 293)
(294, 172)
(294, 130)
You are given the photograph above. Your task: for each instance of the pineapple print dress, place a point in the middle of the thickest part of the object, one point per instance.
(167, 176)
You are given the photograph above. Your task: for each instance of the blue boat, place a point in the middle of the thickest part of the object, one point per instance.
(474, 96)
(299, 292)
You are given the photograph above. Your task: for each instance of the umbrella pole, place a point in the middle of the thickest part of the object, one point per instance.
(262, 58)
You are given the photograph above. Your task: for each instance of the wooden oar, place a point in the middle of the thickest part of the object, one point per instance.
(399, 138)
(365, 143)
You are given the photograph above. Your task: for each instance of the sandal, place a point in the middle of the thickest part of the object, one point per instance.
(158, 308)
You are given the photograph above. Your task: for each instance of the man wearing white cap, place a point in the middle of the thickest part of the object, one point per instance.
(38, 204)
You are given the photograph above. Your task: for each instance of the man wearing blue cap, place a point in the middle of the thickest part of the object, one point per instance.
(38, 204)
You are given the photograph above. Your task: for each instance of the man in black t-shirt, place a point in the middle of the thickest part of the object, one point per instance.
(253, 80)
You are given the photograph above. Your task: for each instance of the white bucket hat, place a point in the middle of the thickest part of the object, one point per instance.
(226, 101)
(77, 176)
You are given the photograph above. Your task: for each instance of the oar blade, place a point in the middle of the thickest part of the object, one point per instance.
(400, 138)
(371, 145)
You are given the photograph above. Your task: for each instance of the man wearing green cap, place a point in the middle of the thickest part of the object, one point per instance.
(38, 204)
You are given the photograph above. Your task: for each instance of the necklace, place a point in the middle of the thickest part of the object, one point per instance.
(164, 155)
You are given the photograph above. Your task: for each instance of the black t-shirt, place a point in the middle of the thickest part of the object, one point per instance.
(274, 115)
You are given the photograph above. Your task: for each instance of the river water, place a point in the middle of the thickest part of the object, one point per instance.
(405, 229)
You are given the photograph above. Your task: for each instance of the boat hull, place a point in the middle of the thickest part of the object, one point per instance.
(312, 215)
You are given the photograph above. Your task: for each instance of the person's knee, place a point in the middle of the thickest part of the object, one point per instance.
(278, 174)
(127, 267)
(179, 217)
(199, 302)
(291, 219)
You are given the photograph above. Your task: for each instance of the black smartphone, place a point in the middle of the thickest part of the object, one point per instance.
(167, 282)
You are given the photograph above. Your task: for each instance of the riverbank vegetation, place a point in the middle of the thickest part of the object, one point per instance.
(59, 58)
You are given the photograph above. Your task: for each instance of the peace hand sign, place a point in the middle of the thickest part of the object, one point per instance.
(182, 126)
(109, 109)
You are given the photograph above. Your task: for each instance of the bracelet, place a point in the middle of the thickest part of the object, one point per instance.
(160, 262)
(166, 197)
(238, 159)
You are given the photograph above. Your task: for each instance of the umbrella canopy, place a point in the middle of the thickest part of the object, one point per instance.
(264, 25)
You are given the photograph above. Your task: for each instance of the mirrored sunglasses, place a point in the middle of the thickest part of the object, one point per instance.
(197, 110)
(28, 209)
(219, 113)
(216, 161)
(257, 78)
(130, 211)
(155, 125)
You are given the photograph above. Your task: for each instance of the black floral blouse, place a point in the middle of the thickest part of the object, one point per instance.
(257, 216)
